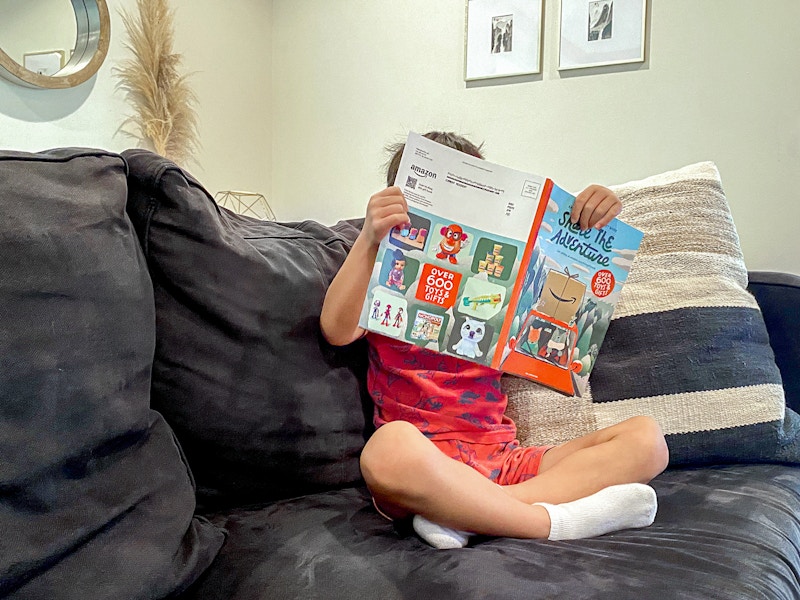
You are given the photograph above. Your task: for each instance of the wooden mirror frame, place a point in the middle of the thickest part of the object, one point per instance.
(91, 48)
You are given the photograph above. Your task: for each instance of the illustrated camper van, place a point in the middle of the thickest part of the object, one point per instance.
(549, 340)
(549, 333)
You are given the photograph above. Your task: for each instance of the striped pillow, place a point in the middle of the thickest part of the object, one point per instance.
(687, 344)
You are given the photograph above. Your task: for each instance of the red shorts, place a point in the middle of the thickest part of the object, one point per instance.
(505, 463)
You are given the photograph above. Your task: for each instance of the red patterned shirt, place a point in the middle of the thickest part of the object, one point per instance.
(445, 397)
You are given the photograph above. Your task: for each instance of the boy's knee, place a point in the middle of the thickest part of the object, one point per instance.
(390, 455)
(651, 444)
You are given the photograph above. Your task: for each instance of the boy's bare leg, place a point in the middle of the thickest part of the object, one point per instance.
(407, 474)
(631, 451)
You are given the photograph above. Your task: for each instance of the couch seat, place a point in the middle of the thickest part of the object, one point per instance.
(715, 536)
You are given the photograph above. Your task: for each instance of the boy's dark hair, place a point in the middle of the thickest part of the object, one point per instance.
(446, 138)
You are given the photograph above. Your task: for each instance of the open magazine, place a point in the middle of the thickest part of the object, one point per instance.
(491, 270)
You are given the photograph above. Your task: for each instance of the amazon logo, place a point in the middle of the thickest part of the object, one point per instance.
(560, 299)
(423, 172)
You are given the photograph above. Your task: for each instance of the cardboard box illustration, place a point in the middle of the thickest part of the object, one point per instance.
(562, 295)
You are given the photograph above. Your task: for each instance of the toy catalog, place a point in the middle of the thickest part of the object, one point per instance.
(491, 270)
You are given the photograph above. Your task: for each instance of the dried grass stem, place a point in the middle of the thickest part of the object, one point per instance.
(162, 99)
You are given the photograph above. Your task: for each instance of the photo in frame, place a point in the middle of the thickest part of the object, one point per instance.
(597, 33)
(503, 38)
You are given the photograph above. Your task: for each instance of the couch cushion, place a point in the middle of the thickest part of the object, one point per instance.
(262, 406)
(687, 343)
(95, 498)
(721, 533)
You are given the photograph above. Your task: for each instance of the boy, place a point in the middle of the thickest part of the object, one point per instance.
(458, 468)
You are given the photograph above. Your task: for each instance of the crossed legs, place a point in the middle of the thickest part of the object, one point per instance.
(408, 475)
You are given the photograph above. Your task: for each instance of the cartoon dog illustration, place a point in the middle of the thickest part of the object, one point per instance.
(472, 333)
(454, 238)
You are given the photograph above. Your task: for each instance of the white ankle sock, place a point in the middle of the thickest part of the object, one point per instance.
(439, 536)
(616, 507)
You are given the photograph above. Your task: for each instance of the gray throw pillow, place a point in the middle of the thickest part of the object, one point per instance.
(263, 407)
(95, 498)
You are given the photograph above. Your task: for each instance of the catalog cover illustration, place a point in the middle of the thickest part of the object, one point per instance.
(491, 270)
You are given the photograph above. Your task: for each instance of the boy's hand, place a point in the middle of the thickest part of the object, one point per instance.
(595, 207)
(386, 209)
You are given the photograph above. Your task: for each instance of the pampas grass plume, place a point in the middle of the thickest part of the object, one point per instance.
(162, 99)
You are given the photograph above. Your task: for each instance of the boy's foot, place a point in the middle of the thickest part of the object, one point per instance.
(439, 536)
(616, 507)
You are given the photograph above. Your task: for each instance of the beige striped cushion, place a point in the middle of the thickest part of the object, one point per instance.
(687, 344)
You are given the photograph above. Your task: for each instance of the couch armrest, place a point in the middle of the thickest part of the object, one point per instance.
(778, 295)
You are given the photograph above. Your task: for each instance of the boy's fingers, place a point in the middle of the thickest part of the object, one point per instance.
(589, 209)
(605, 212)
(389, 210)
(388, 217)
(595, 207)
(577, 207)
(385, 198)
(391, 190)
(584, 205)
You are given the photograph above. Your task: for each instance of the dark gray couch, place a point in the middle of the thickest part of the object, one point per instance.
(729, 532)
(135, 308)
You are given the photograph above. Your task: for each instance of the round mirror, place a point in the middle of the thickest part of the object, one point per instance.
(53, 43)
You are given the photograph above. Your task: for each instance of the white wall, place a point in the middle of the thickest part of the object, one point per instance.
(227, 46)
(221, 48)
(298, 98)
(721, 83)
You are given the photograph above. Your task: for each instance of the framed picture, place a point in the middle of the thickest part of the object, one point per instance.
(503, 38)
(596, 33)
(44, 63)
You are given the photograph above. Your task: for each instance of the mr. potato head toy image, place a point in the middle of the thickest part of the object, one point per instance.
(453, 238)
